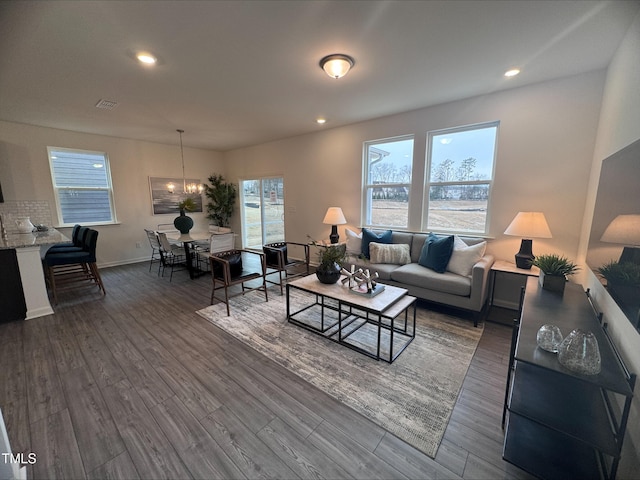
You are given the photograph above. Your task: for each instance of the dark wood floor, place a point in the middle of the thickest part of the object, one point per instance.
(136, 385)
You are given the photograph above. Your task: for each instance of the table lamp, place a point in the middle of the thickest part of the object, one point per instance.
(334, 217)
(528, 225)
(625, 229)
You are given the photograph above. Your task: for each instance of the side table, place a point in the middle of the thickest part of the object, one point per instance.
(509, 269)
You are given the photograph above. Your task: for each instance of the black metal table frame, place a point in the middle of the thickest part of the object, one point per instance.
(349, 312)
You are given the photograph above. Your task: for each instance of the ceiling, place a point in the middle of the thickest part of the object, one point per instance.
(239, 73)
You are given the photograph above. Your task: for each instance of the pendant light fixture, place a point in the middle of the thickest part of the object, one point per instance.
(337, 65)
(186, 188)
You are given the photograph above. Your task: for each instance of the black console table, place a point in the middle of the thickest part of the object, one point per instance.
(562, 424)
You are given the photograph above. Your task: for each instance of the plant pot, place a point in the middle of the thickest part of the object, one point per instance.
(328, 273)
(553, 283)
(183, 223)
(628, 299)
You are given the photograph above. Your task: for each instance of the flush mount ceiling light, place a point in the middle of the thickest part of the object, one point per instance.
(512, 73)
(146, 58)
(336, 65)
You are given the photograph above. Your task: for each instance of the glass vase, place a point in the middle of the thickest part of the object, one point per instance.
(579, 353)
(549, 338)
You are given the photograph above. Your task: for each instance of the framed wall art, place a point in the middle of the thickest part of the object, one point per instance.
(164, 201)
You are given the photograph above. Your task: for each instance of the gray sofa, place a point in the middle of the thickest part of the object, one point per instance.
(467, 293)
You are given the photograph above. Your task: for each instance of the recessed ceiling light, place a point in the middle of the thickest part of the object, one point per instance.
(146, 58)
(321, 121)
(512, 73)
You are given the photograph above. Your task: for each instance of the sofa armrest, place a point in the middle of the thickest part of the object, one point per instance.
(480, 282)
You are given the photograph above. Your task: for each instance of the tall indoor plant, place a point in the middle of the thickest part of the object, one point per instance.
(221, 200)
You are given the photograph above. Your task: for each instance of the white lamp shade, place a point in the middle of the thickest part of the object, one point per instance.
(334, 216)
(337, 65)
(624, 229)
(529, 225)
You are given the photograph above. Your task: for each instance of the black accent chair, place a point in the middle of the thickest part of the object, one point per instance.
(277, 261)
(227, 270)
(71, 267)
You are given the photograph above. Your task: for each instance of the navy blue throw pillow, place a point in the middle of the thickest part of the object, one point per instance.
(368, 236)
(436, 252)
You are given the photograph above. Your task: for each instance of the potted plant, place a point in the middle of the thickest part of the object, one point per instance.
(184, 223)
(623, 283)
(221, 200)
(554, 270)
(331, 257)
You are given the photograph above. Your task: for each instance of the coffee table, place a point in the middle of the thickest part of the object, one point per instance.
(369, 325)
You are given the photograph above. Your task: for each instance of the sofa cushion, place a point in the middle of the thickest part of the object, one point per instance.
(447, 282)
(369, 236)
(354, 242)
(394, 253)
(436, 252)
(417, 242)
(384, 269)
(464, 256)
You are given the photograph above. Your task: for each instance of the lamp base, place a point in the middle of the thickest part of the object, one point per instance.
(630, 255)
(334, 237)
(525, 256)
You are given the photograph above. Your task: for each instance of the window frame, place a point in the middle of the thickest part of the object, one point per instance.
(428, 183)
(367, 188)
(57, 189)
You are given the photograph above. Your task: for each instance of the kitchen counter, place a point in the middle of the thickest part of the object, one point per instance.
(27, 247)
(35, 239)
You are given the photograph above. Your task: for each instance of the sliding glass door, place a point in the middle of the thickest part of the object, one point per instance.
(262, 211)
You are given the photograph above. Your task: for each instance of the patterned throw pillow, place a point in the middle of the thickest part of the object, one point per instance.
(369, 236)
(394, 253)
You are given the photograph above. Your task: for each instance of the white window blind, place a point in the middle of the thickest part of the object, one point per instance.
(82, 185)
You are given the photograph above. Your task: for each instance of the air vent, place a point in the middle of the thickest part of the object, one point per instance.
(106, 104)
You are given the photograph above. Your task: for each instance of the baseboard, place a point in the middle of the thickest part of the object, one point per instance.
(505, 304)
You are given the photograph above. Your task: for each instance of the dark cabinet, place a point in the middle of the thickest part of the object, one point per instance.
(561, 424)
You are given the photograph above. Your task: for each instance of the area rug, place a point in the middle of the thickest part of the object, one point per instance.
(411, 398)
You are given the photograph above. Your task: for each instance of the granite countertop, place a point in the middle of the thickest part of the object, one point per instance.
(35, 239)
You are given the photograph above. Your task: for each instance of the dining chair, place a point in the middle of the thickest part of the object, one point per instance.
(277, 260)
(170, 255)
(155, 248)
(227, 270)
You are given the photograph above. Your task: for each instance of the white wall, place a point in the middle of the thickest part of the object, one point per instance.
(619, 126)
(25, 175)
(545, 150)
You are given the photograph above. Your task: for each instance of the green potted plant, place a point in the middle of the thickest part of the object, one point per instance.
(184, 223)
(221, 200)
(554, 270)
(623, 283)
(331, 258)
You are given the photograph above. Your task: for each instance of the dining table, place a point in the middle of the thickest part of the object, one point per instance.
(188, 240)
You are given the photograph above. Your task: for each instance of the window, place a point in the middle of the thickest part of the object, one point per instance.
(82, 185)
(459, 176)
(387, 182)
(262, 211)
